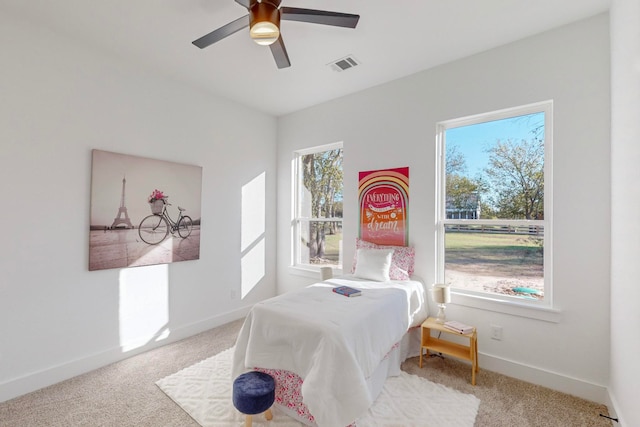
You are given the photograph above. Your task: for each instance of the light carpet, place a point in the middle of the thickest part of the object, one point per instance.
(204, 391)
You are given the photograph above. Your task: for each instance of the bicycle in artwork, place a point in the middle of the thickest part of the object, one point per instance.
(154, 228)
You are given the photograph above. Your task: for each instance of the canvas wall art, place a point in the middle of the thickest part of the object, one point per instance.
(143, 211)
(383, 197)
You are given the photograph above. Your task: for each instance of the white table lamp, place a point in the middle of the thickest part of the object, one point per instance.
(441, 295)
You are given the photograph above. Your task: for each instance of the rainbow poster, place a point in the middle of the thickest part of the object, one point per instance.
(383, 196)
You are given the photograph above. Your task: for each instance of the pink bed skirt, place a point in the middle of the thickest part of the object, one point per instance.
(289, 394)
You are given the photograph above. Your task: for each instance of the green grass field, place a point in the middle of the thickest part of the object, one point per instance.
(332, 246)
(501, 253)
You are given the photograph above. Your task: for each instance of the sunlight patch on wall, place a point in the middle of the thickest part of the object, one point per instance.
(252, 232)
(253, 268)
(144, 305)
(253, 211)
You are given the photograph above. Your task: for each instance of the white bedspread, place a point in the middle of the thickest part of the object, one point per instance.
(331, 341)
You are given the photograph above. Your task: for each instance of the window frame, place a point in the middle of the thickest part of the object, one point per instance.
(541, 309)
(296, 265)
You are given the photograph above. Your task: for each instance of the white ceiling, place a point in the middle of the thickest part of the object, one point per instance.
(393, 39)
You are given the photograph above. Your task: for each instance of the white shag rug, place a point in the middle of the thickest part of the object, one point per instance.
(204, 391)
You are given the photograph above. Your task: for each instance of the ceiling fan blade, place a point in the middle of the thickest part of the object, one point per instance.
(222, 32)
(244, 3)
(279, 53)
(336, 19)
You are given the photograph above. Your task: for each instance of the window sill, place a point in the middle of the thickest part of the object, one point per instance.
(543, 313)
(311, 272)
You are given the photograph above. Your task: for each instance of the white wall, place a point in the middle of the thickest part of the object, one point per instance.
(60, 100)
(625, 205)
(393, 125)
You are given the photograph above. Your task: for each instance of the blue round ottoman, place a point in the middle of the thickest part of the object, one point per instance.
(254, 393)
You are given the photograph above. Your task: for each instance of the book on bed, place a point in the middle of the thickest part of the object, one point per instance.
(347, 291)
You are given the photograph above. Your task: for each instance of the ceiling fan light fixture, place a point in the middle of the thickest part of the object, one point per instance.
(264, 22)
(264, 33)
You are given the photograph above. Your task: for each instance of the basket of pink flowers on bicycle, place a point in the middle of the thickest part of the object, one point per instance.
(157, 199)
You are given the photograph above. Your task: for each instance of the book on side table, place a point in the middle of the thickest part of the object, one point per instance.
(458, 327)
(347, 291)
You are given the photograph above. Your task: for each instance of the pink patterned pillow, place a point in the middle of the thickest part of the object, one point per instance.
(402, 260)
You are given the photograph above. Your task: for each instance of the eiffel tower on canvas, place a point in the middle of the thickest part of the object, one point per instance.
(122, 210)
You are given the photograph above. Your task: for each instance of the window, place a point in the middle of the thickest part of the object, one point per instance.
(494, 205)
(317, 225)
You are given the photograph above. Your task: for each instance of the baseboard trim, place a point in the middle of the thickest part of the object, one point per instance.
(612, 405)
(553, 380)
(36, 380)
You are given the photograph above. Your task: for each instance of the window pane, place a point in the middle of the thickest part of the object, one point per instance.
(495, 169)
(319, 208)
(320, 242)
(497, 259)
(321, 189)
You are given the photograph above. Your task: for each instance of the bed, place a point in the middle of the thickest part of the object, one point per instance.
(331, 354)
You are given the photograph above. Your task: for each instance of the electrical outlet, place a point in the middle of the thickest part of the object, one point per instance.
(496, 332)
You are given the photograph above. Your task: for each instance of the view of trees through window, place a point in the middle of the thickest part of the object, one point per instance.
(493, 220)
(320, 207)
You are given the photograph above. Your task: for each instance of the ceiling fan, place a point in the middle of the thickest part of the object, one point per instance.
(263, 21)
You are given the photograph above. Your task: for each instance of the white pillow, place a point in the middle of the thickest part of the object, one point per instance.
(373, 264)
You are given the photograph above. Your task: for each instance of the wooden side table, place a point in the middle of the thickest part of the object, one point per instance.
(439, 345)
